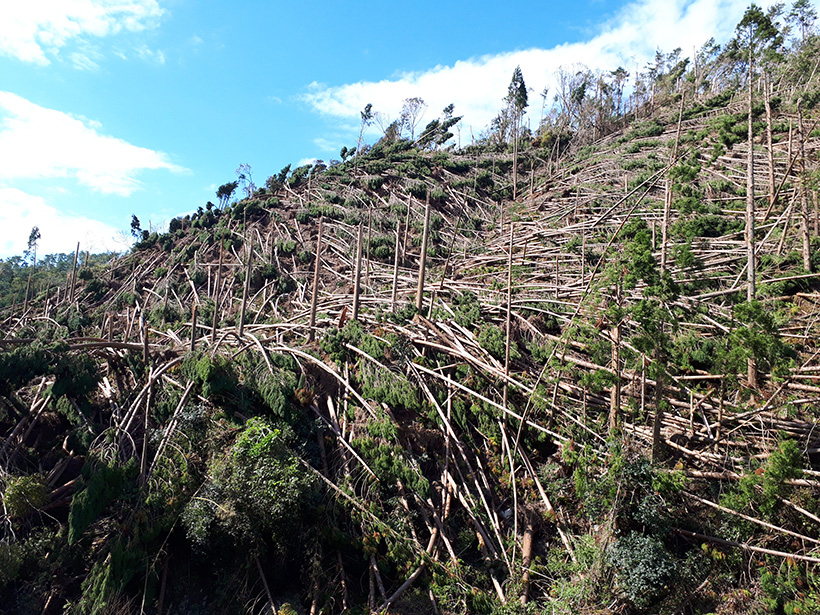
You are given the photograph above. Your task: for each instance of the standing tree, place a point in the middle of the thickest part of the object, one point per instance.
(755, 36)
(225, 192)
(411, 113)
(516, 103)
(619, 76)
(136, 227)
(803, 16)
(31, 250)
(245, 177)
(367, 119)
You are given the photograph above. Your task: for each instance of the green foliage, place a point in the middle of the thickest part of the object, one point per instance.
(215, 375)
(757, 336)
(492, 339)
(258, 491)
(644, 570)
(161, 314)
(11, 559)
(334, 341)
(704, 226)
(760, 490)
(382, 247)
(286, 246)
(24, 495)
(644, 129)
(103, 483)
(75, 375)
(467, 309)
(388, 387)
(109, 577)
(277, 391)
(790, 589)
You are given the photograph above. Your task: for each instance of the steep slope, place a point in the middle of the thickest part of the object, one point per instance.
(567, 423)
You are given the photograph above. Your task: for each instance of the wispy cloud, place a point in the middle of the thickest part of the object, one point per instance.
(152, 55)
(40, 143)
(34, 30)
(477, 86)
(59, 231)
(329, 145)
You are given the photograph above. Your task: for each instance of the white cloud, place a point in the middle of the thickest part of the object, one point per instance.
(40, 143)
(151, 55)
(477, 86)
(328, 145)
(60, 232)
(83, 61)
(33, 30)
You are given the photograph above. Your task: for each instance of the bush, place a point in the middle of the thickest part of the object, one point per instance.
(259, 490)
(644, 570)
(25, 494)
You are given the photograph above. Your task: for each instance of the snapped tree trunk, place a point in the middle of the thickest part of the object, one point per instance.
(770, 147)
(247, 287)
(423, 258)
(509, 314)
(804, 200)
(317, 267)
(357, 276)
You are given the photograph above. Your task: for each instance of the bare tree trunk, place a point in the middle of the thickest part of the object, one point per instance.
(667, 203)
(657, 437)
(357, 276)
(770, 147)
(526, 560)
(804, 201)
(423, 259)
(509, 315)
(396, 257)
(74, 273)
(193, 327)
(615, 392)
(317, 267)
(750, 223)
(246, 290)
(216, 292)
(515, 160)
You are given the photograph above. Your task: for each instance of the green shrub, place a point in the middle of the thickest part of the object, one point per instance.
(644, 570)
(24, 495)
(259, 491)
(103, 483)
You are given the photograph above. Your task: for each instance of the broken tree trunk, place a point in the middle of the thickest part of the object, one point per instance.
(804, 201)
(246, 289)
(509, 314)
(315, 292)
(357, 276)
(423, 257)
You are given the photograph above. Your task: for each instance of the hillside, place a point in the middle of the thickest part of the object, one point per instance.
(579, 401)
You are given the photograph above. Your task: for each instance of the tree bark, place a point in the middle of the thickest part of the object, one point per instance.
(423, 259)
(509, 315)
(357, 276)
(770, 147)
(751, 366)
(216, 292)
(246, 290)
(317, 267)
(804, 201)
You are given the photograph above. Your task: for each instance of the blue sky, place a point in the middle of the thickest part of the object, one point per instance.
(114, 107)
